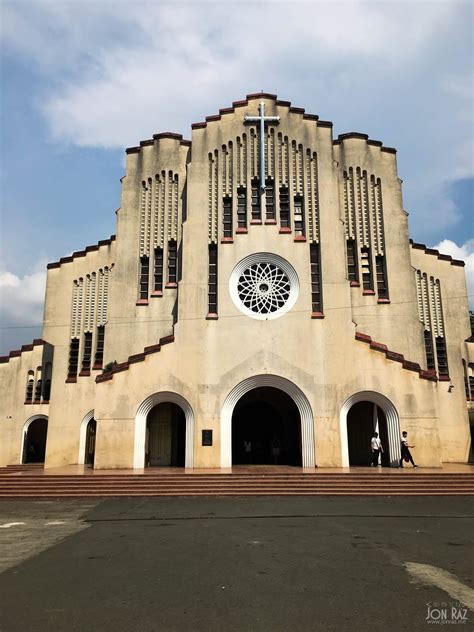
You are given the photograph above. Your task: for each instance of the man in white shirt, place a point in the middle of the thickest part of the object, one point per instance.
(376, 446)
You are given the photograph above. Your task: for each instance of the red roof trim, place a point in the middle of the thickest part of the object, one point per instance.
(16, 353)
(81, 253)
(396, 357)
(436, 253)
(134, 359)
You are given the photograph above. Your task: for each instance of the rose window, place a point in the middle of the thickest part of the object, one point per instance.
(264, 286)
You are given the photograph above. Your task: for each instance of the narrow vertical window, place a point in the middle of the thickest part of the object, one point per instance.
(38, 386)
(172, 263)
(242, 209)
(381, 271)
(227, 219)
(256, 201)
(30, 384)
(366, 270)
(352, 267)
(316, 285)
(430, 361)
(73, 359)
(87, 353)
(158, 271)
(212, 281)
(299, 216)
(99, 350)
(144, 277)
(48, 370)
(270, 201)
(441, 356)
(284, 209)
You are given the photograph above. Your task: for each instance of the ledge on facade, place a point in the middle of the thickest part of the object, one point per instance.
(383, 301)
(256, 222)
(285, 231)
(134, 359)
(444, 378)
(354, 284)
(244, 103)
(85, 373)
(270, 222)
(227, 240)
(142, 301)
(358, 136)
(368, 293)
(156, 293)
(16, 353)
(241, 231)
(398, 357)
(301, 238)
(212, 316)
(161, 136)
(171, 286)
(71, 379)
(81, 253)
(436, 253)
(317, 315)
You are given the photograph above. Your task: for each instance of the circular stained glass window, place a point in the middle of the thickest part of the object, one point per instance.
(264, 286)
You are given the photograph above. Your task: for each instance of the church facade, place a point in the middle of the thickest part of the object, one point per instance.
(261, 302)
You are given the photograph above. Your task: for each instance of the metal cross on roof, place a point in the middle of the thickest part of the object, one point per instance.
(262, 119)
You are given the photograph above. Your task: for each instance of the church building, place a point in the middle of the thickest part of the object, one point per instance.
(260, 303)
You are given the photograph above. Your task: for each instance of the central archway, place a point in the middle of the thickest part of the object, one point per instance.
(274, 382)
(266, 429)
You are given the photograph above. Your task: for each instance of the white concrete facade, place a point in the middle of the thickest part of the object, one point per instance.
(213, 287)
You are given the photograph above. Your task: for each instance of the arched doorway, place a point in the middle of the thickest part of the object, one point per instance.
(91, 431)
(35, 433)
(142, 435)
(361, 415)
(276, 382)
(266, 429)
(165, 436)
(363, 419)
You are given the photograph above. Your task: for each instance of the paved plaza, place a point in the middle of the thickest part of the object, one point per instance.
(235, 564)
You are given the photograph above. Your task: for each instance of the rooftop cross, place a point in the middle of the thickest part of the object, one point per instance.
(262, 119)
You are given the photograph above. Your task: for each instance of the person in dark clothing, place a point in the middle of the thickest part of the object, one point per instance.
(405, 449)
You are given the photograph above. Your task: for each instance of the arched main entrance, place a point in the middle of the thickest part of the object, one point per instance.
(35, 433)
(266, 429)
(152, 426)
(362, 414)
(165, 436)
(306, 421)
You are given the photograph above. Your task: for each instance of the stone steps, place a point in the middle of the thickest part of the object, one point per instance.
(33, 485)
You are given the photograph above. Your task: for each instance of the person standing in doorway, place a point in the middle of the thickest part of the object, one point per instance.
(376, 446)
(405, 449)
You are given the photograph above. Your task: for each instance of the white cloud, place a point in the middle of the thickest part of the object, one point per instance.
(22, 298)
(399, 71)
(466, 253)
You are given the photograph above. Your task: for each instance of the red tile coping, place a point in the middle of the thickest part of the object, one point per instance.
(160, 136)
(16, 353)
(436, 253)
(370, 141)
(244, 103)
(81, 253)
(398, 357)
(133, 359)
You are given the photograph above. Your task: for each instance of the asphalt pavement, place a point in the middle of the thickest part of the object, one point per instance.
(236, 564)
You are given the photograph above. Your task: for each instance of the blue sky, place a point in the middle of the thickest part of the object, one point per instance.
(80, 81)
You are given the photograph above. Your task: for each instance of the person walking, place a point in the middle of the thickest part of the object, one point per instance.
(405, 450)
(376, 446)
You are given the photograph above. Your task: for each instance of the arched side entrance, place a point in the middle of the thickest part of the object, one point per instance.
(377, 414)
(33, 442)
(85, 445)
(141, 426)
(165, 436)
(266, 429)
(276, 382)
